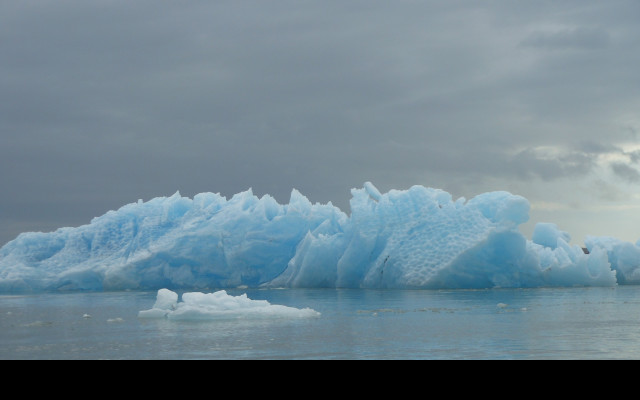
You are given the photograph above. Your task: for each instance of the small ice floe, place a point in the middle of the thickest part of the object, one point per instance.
(115, 320)
(524, 309)
(86, 316)
(218, 306)
(502, 305)
(38, 324)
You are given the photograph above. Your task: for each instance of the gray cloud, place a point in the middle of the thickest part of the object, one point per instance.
(626, 172)
(596, 148)
(528, 164)
(576, 38)
(634, 156)
(102, 103)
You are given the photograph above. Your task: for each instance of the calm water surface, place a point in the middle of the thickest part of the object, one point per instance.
(592, 323)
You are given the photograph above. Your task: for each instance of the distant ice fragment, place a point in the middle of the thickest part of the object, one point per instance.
(219, 306)
(38, 324)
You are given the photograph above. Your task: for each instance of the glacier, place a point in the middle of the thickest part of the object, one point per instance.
(420, 238)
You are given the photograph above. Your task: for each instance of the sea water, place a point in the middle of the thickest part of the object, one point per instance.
(577, 323)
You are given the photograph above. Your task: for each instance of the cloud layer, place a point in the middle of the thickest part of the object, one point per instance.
(102, 103)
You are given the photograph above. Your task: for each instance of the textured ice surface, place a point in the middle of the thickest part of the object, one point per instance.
(218, 305)
(623, 256)
(547, 235)
(416, 238)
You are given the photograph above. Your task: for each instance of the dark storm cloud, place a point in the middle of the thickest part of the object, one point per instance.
(105, 102)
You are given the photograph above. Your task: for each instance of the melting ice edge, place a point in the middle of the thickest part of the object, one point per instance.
(406, 239)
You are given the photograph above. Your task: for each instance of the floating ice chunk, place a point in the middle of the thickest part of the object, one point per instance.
(86, 316)
(38, 324)
(166, 300)
(115, 320)
(502, 305)
(219, 306)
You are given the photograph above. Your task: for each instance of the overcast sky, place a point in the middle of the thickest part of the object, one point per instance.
(105, 102)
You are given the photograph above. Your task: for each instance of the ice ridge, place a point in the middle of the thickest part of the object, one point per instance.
(420, 238)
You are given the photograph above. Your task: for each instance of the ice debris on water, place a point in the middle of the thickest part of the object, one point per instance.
(218, 306)
(420, 238)
(39, 324)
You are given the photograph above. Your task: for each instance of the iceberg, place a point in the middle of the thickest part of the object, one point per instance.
(218, 306)
(420, 238)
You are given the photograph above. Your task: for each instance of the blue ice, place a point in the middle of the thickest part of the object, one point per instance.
(420, 238)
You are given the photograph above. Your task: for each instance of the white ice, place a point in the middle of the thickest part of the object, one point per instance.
(218, 306)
